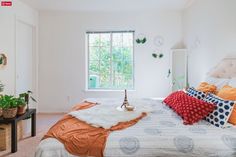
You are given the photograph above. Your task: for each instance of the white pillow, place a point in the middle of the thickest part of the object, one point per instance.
(218, 82)
(232, 82)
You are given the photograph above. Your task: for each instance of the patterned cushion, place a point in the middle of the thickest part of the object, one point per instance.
(220, 115)
(207, 88)
(189, 108)
(195, 93)
(172, 99)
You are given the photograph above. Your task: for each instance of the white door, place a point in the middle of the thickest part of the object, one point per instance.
(24, 57)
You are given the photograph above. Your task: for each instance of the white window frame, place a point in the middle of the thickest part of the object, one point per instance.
(87, 61)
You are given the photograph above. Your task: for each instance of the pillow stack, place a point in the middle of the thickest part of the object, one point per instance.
(205, 102)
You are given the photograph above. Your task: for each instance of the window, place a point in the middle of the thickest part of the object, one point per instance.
(110, 60)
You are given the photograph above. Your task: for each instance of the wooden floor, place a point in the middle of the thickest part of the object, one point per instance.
(27, 146)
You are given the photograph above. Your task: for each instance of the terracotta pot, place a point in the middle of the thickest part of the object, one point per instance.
(0, 112)
(21, 110)
(9, 112)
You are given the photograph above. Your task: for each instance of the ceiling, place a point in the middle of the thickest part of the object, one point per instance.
(108, 5)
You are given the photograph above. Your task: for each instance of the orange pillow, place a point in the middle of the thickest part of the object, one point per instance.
(207, 88)
(229, 93)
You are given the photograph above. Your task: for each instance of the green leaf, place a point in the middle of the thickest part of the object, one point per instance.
(154, 55)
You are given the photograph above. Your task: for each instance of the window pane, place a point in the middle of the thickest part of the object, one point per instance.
(105, 53)
(94, 68)
(105, 81)
(117, 39)
(94, 40)
(127, 39)
(127, 53)
(110, 61)
(105, 39)
(94, 53)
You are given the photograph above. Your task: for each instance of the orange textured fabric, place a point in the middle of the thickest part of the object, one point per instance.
(82, 139)
(229, 93)
(207, 88)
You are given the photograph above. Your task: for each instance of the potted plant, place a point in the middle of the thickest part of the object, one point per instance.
(21, 105)
(9, 105)
(26, 97)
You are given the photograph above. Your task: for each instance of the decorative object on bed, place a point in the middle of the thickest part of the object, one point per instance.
(195, 93)
(219, 117)
(126, 105)
(189, 108)
(3, 60)
(229, 93)
(82, 139)
(141, 39)
(207, 88)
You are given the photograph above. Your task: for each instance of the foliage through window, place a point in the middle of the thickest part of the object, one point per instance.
(110, 60)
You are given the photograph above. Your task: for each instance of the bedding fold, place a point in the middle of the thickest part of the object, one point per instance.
(82, 139)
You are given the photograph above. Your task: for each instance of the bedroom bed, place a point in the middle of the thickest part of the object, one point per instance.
(160, 134)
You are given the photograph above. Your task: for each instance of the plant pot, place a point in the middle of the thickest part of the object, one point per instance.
(0, 112)
(9, 112)
(21, 110)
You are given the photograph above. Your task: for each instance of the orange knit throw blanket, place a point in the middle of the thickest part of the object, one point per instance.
(82, 139)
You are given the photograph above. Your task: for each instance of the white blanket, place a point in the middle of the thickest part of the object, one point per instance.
(106, 116)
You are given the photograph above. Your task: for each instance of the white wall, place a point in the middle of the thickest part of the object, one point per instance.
(8, 17)
(210, 35)
(62, 54)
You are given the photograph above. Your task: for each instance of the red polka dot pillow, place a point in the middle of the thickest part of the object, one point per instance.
(190, 109)
(171, 101)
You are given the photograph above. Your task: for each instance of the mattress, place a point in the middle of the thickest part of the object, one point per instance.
(160, 134)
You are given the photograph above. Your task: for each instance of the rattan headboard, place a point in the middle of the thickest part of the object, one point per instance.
(225, 69)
